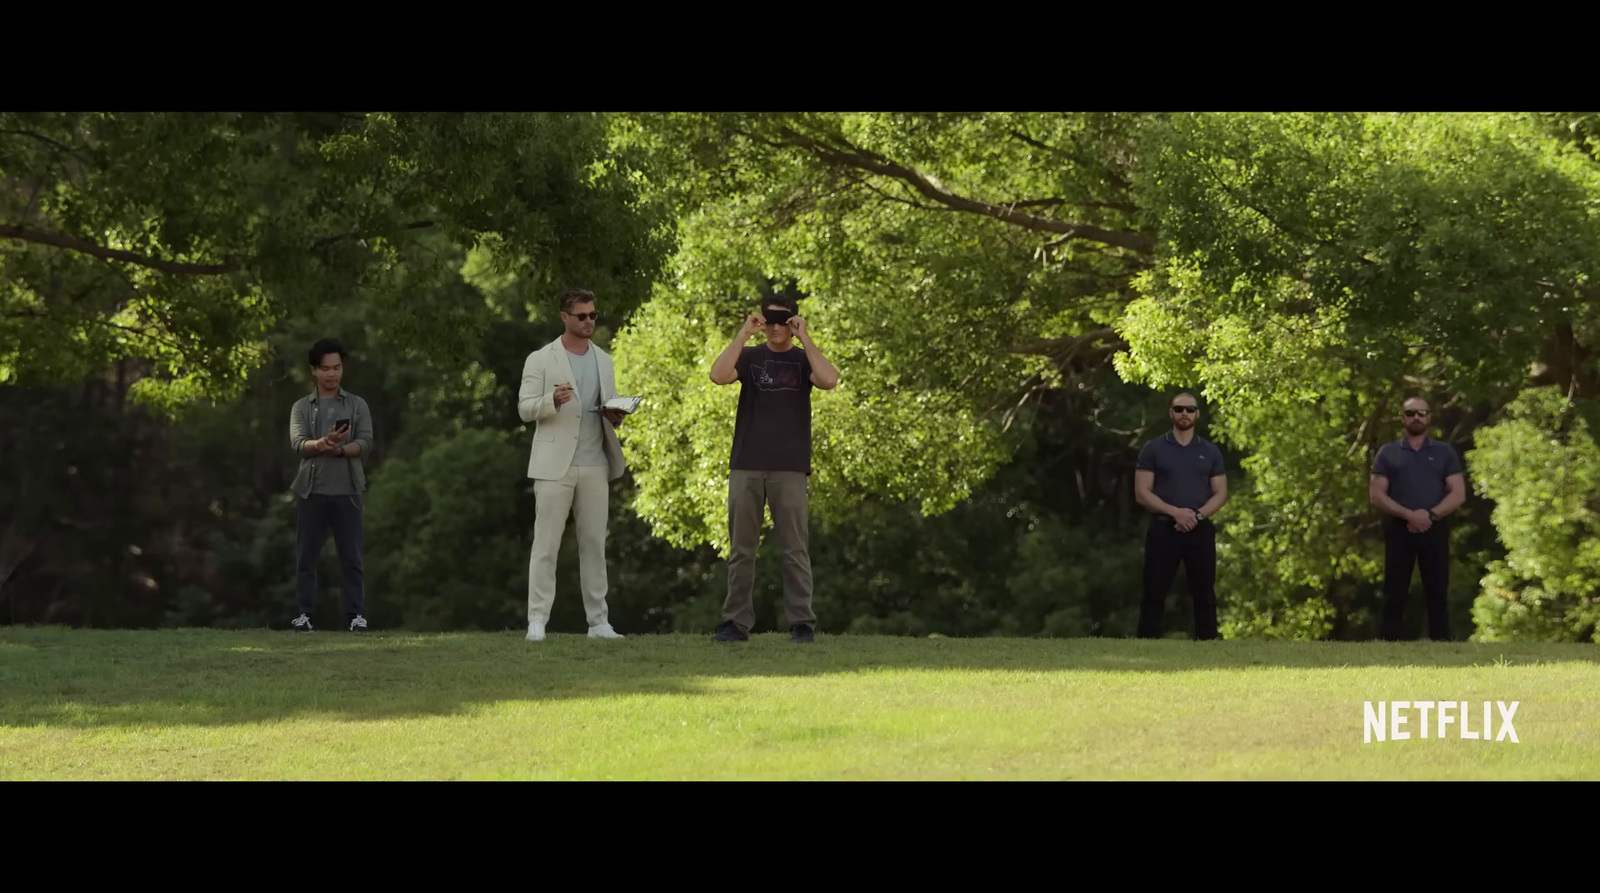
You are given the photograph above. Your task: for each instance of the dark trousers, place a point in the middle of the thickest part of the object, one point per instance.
(786, 493)
(1164, 549)
(315, 516)
(1402, 551)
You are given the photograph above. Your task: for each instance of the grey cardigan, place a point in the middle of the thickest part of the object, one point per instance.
(302, 421)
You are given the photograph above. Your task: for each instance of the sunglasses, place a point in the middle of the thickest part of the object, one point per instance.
(1185, 408)
(580, 317)
(777, 317)
(1414, 413)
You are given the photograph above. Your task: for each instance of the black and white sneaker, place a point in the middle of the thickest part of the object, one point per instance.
(359, 624)
(302, 624)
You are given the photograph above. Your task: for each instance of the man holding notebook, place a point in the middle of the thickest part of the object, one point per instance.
(565, 388)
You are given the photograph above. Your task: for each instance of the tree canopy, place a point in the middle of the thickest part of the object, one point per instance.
(1303, 272)
(182, 240)
(1009, 298)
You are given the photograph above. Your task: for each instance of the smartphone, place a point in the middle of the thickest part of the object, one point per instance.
(341, 425)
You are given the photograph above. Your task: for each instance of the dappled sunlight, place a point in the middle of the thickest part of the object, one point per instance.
(80, 679)
(253, 705)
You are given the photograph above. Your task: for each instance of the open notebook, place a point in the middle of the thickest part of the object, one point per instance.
(624, 404)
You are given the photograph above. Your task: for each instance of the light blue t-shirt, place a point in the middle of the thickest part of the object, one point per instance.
(586, 394)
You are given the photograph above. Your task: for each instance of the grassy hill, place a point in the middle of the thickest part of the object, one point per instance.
(203, 704)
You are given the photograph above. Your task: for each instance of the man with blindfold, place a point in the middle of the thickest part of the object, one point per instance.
(1179, 477)
(771, 460)
(1416, 481)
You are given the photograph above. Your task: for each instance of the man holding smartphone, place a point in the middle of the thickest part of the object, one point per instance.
(331, 431)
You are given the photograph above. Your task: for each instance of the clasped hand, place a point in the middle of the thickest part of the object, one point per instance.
(333, 441)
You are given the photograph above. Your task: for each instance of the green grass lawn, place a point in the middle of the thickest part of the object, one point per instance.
(202, 704)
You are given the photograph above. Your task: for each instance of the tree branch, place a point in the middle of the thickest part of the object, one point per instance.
(1035, 203)
(44, 139)
(72, 243)
(931, 188)
(1116, 179)
(1076, 354)
(1291, 234)
(329, 240)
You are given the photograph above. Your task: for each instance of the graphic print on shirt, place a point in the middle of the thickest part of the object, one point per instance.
(778, 375)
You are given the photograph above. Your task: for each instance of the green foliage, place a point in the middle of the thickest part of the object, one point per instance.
(1541, 466)
(910, 444)
(1006, 296)
(926, 314)
(448, 533)
(232, 222)
(1323, 267)
(1306, 272)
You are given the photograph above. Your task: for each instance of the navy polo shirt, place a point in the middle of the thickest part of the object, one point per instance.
(1416, 477)
(1183, 473)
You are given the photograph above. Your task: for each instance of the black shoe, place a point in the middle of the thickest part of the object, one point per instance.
(358, 624)
(728, 631)
(802, 634)
(302, 624)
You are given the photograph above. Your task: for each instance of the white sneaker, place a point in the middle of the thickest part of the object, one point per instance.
(604, 631)
(535, 632)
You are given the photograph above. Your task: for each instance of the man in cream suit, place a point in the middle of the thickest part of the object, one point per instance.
(575, 456)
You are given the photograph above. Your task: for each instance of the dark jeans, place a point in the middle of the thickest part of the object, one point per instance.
(314, 517)
(1402, 551)
(1164, 549)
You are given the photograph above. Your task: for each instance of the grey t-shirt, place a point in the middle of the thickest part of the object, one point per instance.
(1183, 473)
(330, 475)
(1416, 477)
(586, 395)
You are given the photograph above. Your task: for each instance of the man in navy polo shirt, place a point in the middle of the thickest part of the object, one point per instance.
(1416, 481)
(1180, 479)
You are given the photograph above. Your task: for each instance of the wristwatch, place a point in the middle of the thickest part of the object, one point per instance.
(1432, 518)
(1199, 515)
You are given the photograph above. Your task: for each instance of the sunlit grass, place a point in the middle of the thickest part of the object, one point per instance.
(199, 704)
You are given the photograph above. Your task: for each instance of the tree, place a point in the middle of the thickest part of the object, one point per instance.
(1304, 272)
(181, 239)
(191, 259)
(1541, 465)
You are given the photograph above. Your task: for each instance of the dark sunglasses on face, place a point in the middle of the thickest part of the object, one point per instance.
(580, 317)
(777, 317)
(1185, 409)
(1414, 413)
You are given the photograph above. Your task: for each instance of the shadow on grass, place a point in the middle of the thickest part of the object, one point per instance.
(97, 679)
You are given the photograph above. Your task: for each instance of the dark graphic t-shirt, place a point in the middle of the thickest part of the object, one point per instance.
(773, 429)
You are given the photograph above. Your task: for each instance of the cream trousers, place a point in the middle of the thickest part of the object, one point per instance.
(584, 493)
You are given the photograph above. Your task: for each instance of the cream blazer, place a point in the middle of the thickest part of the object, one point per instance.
(555, 440)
